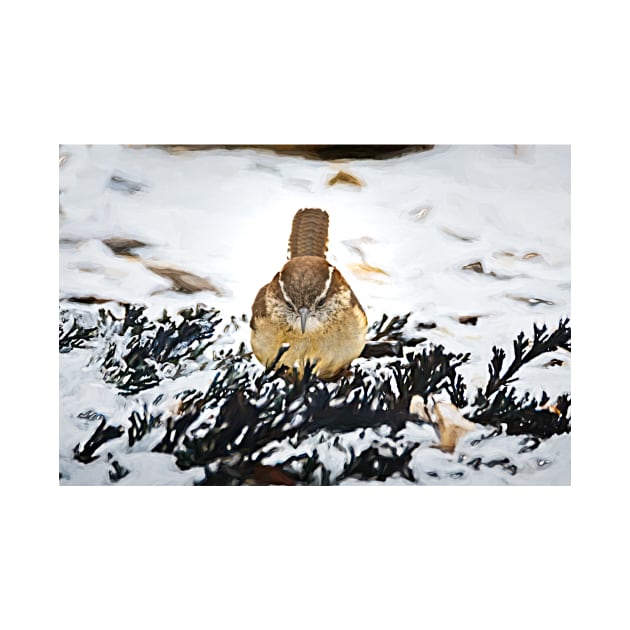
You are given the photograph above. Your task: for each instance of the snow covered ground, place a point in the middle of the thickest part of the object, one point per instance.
(403, 239)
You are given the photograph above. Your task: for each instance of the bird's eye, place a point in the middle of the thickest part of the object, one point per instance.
(320, 303)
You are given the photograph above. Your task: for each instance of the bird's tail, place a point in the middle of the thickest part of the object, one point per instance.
(309, 233)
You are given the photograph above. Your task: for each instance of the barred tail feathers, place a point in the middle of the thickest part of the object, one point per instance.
(309, 233)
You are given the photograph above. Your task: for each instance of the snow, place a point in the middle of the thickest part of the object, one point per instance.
(226, 215)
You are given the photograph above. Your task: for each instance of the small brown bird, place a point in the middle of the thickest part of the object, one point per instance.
(309, 306)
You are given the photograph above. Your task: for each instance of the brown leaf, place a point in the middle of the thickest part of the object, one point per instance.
(476, 266)
(452, 425)
(120, 245)
(183, 281)
(342, 177)
(368, 272)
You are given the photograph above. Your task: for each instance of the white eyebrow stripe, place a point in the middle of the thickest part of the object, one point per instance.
(322, 295)
(287, 299)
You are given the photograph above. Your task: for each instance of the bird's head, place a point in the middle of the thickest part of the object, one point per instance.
(305, 285)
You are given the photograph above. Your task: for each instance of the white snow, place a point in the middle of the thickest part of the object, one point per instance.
(226, 215)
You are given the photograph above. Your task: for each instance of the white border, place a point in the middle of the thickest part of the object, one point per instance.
(275, 72)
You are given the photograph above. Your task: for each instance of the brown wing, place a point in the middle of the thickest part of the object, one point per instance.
(309, 233)
(259, 307)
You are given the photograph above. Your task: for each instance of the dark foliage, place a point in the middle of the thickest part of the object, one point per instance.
(499, 405)
(103, 433)
(73, 332)
(117, 471)
(379, 463)
(429, 372)
(139, 353)
(232, 429)
(141, 424)
(387, 339)
(524, 351)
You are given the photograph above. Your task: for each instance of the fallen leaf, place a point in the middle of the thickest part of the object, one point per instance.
(121, 245)
(368, 272)
(183, 281)
(342, 177)
(451, 423)
(476, 266)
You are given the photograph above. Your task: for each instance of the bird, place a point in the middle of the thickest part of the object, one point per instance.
(308, 314)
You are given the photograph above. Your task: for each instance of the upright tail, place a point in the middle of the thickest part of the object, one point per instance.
(309, 233)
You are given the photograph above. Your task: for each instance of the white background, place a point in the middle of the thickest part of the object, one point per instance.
(448, 72)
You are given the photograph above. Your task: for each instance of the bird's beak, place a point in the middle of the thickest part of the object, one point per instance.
(303, 317)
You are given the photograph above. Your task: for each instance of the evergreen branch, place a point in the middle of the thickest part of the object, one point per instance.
(542, 343)
(102, 434)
